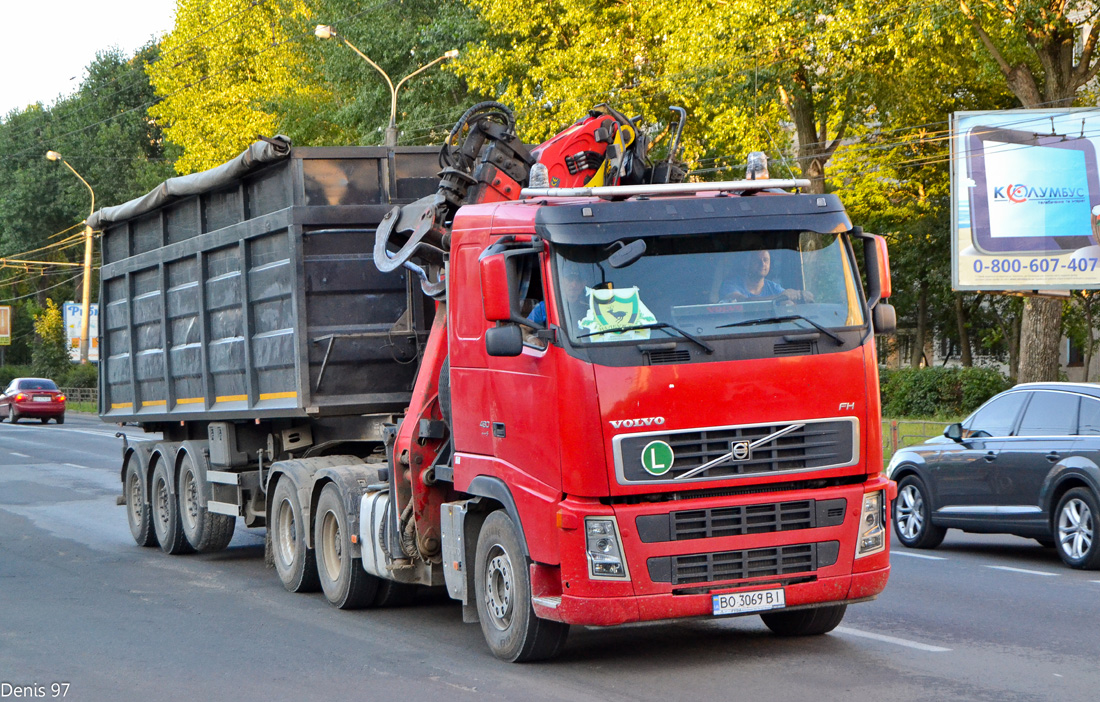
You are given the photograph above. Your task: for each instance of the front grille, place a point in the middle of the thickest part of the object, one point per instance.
(814, 445)
(739, 520)
(743, 565)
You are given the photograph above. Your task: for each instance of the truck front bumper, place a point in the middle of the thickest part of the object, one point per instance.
(610, 611)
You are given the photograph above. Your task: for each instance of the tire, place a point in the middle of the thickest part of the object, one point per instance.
(165, 513)
(912, 515)
(345, 584)
(294, 562)
(1075, 522)
(805, 622)
(13, 416)
(203, 529)
(61, 419)
(44, 420)
(502, 590)
(138, 513)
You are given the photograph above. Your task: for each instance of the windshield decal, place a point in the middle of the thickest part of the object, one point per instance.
(615, 308)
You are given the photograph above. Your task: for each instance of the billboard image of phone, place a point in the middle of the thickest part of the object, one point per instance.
(1031, 193)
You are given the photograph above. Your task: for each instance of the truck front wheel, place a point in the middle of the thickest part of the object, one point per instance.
(295, 564)
(502, 589)
(205, 531)
(345, 584)
(805, 622)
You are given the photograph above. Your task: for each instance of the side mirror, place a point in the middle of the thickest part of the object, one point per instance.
(954, 432)
(504, 341)
(876, 259)
(496, 295)
(884, 318)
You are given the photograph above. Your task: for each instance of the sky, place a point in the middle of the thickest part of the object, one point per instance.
(46, 44)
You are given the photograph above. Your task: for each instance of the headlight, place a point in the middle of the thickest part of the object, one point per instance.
(872, 533)
(605, 553)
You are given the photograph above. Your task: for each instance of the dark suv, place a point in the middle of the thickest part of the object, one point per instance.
(1024, 463)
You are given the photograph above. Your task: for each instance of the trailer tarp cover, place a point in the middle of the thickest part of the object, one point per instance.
(256, 156)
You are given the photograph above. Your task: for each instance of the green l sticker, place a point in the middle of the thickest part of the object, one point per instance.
(657, 458)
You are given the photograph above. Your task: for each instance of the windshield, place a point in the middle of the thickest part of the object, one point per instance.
(36, 384)
(718, 285)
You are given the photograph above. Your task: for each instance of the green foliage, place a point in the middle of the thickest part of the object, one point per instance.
(50, 358)
(938, 392)
(11, 372)
(80, 375)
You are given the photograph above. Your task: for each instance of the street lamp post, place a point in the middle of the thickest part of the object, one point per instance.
(325, 31)
(86, 301)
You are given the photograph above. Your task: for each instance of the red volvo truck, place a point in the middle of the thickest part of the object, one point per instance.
(564, 388)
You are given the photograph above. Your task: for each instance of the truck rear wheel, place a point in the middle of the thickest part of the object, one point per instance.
(204, 530)
(137, 506)
(805, 622)
(165, 513)
(345, 584)
(502, 590)
(294, 562)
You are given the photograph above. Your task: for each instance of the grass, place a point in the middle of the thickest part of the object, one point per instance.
(89, 407)
(911, 432)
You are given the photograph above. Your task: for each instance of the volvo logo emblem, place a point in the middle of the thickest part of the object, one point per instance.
(740, 450)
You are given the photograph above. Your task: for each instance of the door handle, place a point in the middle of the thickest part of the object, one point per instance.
(1054, 456)
(990, 456)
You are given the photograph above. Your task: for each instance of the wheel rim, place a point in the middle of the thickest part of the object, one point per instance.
(190, 500)
(1075, 528)
(288, 534)
(162, 505)
(135, 508)
(910, 512)
(332, 546)
(499, 586)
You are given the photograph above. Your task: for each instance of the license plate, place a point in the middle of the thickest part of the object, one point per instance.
(42, 399)
(754, 601)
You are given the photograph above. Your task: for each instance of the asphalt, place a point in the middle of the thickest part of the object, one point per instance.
(980, 618)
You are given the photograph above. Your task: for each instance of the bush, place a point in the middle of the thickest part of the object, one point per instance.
(938, 392)
(50, 357)
(84, 375)
(9, 373)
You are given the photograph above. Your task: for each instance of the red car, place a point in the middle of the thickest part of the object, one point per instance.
(32, 398)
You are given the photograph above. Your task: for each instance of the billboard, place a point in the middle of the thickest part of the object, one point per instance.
(72, 312)
(1025, 200)
(5, 325)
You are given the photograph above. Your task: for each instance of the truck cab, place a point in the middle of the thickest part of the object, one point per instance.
(667, 438)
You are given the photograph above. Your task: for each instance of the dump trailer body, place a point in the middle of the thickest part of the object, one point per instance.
(254, 295)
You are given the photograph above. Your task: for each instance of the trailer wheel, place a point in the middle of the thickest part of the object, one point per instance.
(345, 584)
(165, 513)
(502, 589)
(204, 530)
(805, 622)
(137, 507)
(294, 562)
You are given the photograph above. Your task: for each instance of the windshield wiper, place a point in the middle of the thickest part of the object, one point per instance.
(656, 325)
(786, 318)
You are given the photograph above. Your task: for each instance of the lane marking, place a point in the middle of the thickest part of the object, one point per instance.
(21, 455)
(891, 639)
(1095, 581)
(75, 465)
(1024, 570)
(917, 555)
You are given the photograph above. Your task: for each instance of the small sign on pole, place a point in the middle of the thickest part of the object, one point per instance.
(5, 325)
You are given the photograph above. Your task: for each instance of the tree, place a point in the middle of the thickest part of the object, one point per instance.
(50, 358)
(1033, 43)
(222, 69)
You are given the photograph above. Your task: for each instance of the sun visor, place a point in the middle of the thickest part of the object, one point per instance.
(595, 222)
